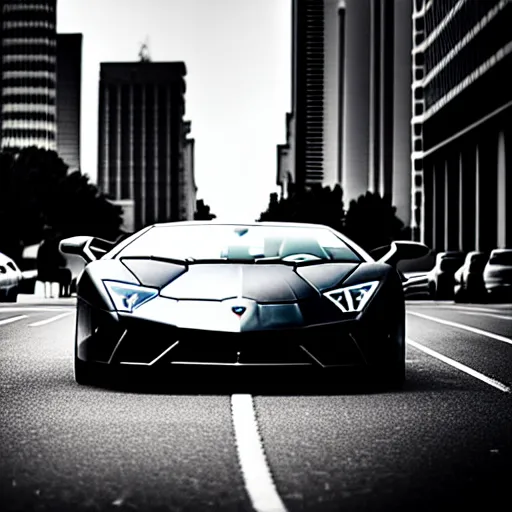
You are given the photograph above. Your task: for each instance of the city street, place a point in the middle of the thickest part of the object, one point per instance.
(443, 443)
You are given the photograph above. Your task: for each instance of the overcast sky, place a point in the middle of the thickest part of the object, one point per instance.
(237, 54)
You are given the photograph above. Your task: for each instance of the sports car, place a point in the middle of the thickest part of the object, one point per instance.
(258, 294)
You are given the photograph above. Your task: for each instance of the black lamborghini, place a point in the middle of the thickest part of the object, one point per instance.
(260, 294)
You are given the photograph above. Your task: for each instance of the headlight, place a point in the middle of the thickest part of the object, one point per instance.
(127, 297)
(352, 299)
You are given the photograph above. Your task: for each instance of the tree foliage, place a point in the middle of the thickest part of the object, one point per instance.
(203, 211)
(319, 205)
(370, 220)
(36, 190)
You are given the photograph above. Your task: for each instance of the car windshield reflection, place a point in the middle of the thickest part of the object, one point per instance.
(252, 244)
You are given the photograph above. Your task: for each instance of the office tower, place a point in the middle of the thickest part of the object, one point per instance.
(69, 80)
(28, 74)
(316, 74)
(187, 182)
(377, 101)
(463, 123)
(141, 143)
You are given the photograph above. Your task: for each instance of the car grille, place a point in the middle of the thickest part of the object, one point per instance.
(307, 347)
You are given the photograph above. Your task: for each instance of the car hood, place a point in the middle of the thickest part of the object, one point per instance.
(261, 283)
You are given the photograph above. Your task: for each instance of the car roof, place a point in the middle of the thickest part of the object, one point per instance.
(4, 258)
(501, 251)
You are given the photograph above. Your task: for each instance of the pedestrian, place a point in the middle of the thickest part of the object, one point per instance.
(50, 261)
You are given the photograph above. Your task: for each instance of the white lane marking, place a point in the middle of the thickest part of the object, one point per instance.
(251, 455)
(488, 380)
(12, 319)
(476, 308)
(51, 310)
(49, 320)
(474, 330)
(434, 305)
(492, 315)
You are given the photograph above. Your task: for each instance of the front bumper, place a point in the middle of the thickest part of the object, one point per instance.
(124, 339)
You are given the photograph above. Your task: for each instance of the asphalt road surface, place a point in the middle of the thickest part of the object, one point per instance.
(268, 442)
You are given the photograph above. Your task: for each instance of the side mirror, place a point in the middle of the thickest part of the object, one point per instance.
(402, 250)
(87, 247)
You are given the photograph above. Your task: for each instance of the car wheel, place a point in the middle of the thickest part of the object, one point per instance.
(90, 374)
(458, 296)
(84, 373)
(391, 374)
(432, 290)
(12, 295)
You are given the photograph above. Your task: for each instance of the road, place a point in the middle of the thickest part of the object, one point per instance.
(444, 442)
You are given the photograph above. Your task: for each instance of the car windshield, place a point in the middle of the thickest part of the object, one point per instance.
(501, 258)
(222, 242)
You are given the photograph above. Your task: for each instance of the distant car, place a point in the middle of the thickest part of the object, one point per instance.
(498, 274)
(469, 282)
(441, 277)
(259, 294)
(10, 279)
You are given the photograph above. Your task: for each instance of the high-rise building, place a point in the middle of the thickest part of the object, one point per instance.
(187, 184)
(285, 167)
(351, 106)
(28, 74)
(141, 142)
(69, 84)
(376, 101)
(317, 35)
(463, 123)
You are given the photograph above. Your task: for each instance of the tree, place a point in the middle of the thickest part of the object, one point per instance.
(371, 221)
(203, 211)
(36, 190)
(318, 205)
(82, 210)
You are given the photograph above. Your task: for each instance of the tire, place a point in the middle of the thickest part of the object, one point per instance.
(459, 296)
(432, 290)
(92, 374)
(391, 375)
(12, 295)
(84, 373)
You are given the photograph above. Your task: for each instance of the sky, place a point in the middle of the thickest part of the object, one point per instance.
(237, 54)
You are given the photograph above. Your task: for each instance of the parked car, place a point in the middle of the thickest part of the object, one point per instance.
(469, 282)
(497, 274)
(441, 277)
(10, 279)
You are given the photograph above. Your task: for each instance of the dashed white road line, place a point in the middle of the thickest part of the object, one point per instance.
(474, 330)
(251, 455)
(49, 320)
(12, 319)
(484, 378)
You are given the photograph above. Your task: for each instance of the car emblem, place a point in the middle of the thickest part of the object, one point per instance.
(238, 310)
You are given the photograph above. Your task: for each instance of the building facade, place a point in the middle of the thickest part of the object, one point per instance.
(28, 74)
(285, 163)
(317, 40)
(69, 86)
(141, 143)
(187, 184)
(377, 101)
(351, 99)
(463, 124)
